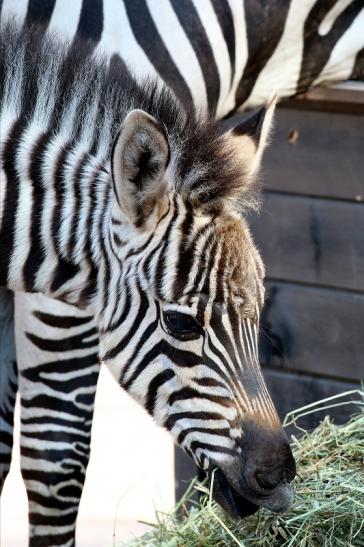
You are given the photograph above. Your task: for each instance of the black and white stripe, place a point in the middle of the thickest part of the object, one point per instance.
(217, 55)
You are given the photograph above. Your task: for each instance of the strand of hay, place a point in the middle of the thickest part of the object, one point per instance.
(329, 506)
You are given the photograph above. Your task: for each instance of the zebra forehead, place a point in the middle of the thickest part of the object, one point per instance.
(218, 263)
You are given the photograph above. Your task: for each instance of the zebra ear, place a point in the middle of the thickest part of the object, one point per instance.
(250, 137)
(139, 160)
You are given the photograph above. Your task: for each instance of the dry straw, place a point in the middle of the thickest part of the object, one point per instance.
(329, 506)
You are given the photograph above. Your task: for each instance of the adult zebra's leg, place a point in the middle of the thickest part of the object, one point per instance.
(8, 381)
(58, 369)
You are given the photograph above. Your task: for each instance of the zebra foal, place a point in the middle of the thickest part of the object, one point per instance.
(116, 200)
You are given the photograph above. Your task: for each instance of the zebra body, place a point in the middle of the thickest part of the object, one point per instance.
(155, 39)
(218, 56)
(118, 202)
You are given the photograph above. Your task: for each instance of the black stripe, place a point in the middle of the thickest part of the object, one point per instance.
(316, 48)
(57, 436)
(76, 187)
(143, 339)
(54, 540)
(195, 445)
(358, 68)
(61, 321)
(191, 415)
(40, 11)
(107, 274)
(54, 502)
(179, 357)
(65, 271)
(89, 289)
(222, 432)
(91, 22)
(38, 519)
(185, 255)
(226, 22)
(155, 384)
(48, 420)
(160, 268)
(70, 385)
(265, 22)
(115, 323)
(149, 39)
(191, 393)
(59, 193)
(10, 202)
(79, 364)
(36, 250)
(71, 342)
(191, 24)
(140, 249)
(53, 404)
(121, 345)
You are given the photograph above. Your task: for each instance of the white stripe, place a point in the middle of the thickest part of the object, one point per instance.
(24, 207)
(180, 49)
(118, 38)
(285, 63)
(241, 52)
(218, 45)
(331, 16)
(65, 17)
(342, 58)
(17, 7)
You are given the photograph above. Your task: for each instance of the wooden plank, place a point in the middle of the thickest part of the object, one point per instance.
(313, 330)
(290, 391)
(314, 153)
(318, 154)
(312, 240)
(344, 97)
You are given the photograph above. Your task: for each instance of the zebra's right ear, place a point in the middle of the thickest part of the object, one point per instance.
(139, 159)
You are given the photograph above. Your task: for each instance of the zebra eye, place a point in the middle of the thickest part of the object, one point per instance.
(182, 326)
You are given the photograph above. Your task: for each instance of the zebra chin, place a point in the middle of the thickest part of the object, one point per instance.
(239, 505)
(259, 476)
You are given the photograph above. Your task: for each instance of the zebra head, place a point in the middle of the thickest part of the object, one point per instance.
(181, 336)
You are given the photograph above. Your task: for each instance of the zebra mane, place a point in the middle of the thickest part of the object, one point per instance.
(64, 89)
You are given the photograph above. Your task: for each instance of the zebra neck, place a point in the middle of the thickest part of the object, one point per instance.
(56, 205)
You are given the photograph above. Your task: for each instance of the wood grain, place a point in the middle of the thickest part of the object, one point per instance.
(313, 241)
(314, 330)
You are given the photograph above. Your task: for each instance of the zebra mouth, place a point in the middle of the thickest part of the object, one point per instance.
(228, 498)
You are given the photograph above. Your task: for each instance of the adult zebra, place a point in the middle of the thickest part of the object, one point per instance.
(229, 66)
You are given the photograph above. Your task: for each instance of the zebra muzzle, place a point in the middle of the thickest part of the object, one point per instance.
(241, 505)
(259, 477)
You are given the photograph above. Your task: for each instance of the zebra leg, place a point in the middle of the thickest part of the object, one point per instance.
(8, 381)
(57, 349)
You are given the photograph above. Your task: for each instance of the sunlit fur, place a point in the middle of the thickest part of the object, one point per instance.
(182, 245)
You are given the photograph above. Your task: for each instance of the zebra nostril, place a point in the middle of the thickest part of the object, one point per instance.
(267, 480)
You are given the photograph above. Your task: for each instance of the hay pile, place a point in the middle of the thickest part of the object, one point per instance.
(329, 506)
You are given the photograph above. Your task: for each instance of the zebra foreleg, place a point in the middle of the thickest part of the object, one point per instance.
(58, 376)
(8, 381)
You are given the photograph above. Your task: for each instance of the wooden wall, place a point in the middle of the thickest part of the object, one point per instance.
(311, 235)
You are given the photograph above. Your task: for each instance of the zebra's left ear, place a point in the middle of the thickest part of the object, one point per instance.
(139, 160)
(250, 137)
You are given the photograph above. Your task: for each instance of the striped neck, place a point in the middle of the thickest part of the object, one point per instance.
(56, 206)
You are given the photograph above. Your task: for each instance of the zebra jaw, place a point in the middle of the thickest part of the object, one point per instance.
(239, 505)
